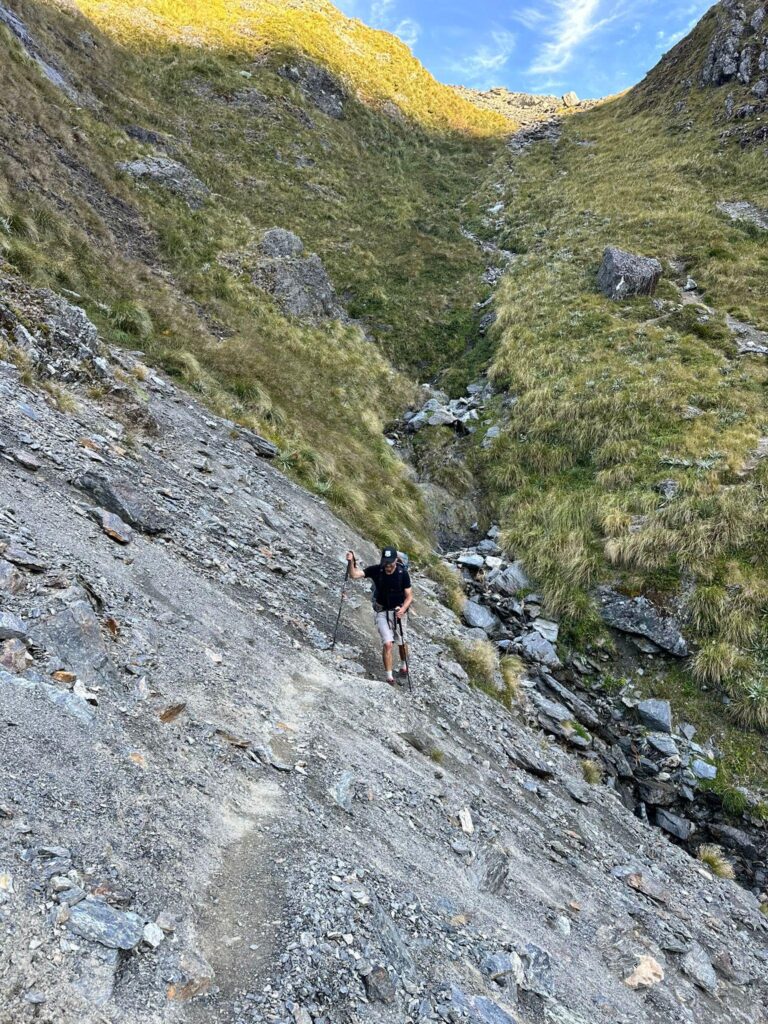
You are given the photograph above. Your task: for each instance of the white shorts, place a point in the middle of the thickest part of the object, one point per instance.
(385, 627)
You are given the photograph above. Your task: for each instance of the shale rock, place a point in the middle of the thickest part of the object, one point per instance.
(170, 175)
(638, 615)
(623, 274)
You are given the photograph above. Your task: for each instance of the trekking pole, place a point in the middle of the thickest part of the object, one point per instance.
(341, 604)
(407, 654)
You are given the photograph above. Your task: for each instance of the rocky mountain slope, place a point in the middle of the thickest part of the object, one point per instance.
(151, 202)
(207, 814)
(223, 286)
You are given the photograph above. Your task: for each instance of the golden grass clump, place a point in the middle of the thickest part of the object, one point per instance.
(479, 660)
(592, 772)
(715, 860)
(451, 588)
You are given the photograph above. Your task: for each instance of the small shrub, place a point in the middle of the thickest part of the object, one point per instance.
(451, 589)
(132, 320)
(592, 772)
(715, 860)
(437, 755)
(479, 661)
(749, 704)
(512, 671)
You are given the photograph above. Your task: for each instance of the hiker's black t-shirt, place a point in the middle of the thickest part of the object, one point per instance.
(390, 587)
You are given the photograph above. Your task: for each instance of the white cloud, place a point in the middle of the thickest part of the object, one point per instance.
(382, 15)
(408, 30)
(574, 21)
(482, 67)
(531, 17)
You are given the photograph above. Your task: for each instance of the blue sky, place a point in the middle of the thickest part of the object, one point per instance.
(595, 47)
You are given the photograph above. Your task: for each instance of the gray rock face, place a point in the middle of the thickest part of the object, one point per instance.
(703, 769)
(12, 628)
(479, 617)
(655, 714)
(511, 579)
(737, 47)
(30, 46)
(677, 826)
(638, 615)
(124, 501)
(298, 282)
(455, 1004)
(63, 699)
(698, 967)
(280, 242)
(318, 85)
(66, 346)
(623, 274)
(98, 921)
(741, 210)
(74, 636)
(537, 965)
(537, 648)
(170, 175)
(379, 986)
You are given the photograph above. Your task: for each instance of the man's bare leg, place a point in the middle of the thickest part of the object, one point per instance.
(386, 657)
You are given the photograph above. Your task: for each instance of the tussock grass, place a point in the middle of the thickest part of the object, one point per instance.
(479, 660)
(592, 772)
(451, 587)
(512, 671)
(715, 860)
(614, 398)
(381, 197)
(378, 65)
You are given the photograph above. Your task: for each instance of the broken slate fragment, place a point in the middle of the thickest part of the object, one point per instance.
(479, 617)
(655, 714)
(638, 615)
(698, 967)
(122, 500)
(113, 526)
(11, 627)
(537, 967)
(379, 986)
(624, 274)
(95, 920)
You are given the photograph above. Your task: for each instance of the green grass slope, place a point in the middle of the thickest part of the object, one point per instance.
(615, 398)
(379, 194)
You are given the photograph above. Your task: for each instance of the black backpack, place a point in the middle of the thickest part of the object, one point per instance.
(403, 561)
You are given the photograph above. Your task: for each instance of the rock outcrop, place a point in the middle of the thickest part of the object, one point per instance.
(623, 274)
(236, 822)
(319, 86)
(297, 281)
(171, 175)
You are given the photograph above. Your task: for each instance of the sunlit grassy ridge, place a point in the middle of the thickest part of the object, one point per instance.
(615, 398)
(380, 198)
(376, 64)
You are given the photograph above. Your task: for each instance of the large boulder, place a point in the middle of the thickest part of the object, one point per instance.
(125, 501)
(298, 281)
(170, 175)
(637, 615)
(318, 85)
(479, 617)
(623, 274)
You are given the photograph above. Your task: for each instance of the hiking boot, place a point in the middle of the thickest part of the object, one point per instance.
(402, 672)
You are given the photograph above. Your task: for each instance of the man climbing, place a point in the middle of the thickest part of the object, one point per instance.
(393, 595)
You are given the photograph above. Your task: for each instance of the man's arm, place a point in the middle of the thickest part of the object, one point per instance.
(406, 603)
(355, 572)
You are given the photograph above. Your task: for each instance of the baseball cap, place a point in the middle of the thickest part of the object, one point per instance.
(388, 555)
